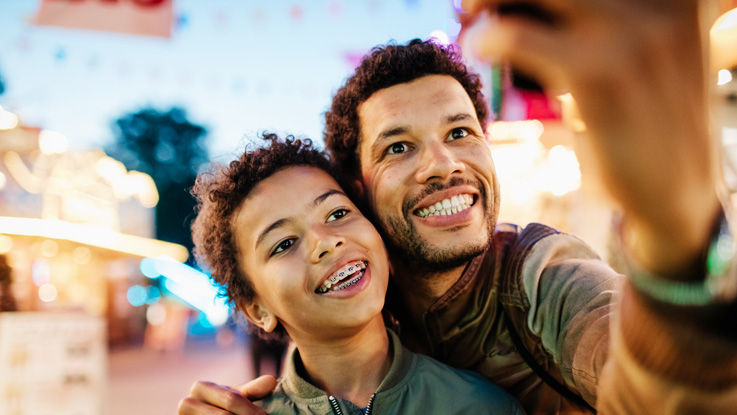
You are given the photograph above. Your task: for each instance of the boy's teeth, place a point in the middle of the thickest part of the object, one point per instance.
(449, 206)
(334, 281)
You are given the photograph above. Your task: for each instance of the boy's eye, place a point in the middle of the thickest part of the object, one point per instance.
(337, 214)
(396, 148)
(457, 133)
(283, 246)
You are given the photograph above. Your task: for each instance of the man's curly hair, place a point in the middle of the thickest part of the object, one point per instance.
(383, 67)
(220, 193)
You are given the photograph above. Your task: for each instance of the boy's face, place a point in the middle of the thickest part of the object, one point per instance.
(296, 231)
(427, 170)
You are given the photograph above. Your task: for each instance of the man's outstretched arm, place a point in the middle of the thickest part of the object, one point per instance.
(207, 398)
(637, 71)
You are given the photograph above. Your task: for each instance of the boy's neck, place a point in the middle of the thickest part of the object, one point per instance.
(350, 367)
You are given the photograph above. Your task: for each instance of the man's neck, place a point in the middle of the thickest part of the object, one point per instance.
(349, 367)
(420, 290)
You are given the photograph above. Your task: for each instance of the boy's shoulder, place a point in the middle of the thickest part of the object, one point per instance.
(462, 391)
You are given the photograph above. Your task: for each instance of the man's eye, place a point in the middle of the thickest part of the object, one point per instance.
(396, 148)
(338, 214)
(457, 133)
(283, 246)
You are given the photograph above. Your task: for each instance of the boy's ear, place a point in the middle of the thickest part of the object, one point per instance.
(258, 314)
(360, 190)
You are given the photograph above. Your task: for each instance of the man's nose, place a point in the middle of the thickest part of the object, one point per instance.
(439, 161)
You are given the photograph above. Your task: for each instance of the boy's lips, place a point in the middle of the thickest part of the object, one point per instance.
(342, 276)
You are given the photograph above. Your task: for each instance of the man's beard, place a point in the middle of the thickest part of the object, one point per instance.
(407, 245)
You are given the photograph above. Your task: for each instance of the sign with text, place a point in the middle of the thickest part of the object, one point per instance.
(138, 17)
(52, 364)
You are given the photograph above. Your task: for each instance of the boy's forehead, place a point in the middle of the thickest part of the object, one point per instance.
(285, 194)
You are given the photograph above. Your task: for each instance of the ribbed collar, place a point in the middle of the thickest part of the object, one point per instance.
(299, 388)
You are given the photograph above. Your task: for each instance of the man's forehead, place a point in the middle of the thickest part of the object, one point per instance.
(437, 97)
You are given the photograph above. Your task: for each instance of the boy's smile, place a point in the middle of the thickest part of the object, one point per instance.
(315, 262)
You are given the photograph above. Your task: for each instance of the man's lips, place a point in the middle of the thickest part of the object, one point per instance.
(447, 202)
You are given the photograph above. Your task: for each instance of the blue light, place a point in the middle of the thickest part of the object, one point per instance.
(154, 294)
(137, 295)
(148, 268)
(189, 285)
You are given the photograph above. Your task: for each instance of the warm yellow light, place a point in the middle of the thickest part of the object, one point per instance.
(8, 120)
(47, 293)
(20, 172)
(570, 113)
(562, 173)
(725, 77)
(93, 236)
(52, 142)
(109, 168)
(82, 255)
(49, 248)
(723, 36)
(6, 244)
(144, 188)
(726, 21)
(527, 130)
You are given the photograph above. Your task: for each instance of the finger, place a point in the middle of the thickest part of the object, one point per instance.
(258, 388)
(553, 7)
(224, 397)
(192, 406)
(536, 50)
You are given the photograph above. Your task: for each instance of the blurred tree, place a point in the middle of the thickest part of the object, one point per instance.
(170, 148)
(2, 84)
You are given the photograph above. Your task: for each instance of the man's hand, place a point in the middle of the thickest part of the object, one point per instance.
(207, 398)
(637, 71)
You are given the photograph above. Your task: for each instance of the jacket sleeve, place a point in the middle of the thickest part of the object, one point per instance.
(670, 359)
(570, 291)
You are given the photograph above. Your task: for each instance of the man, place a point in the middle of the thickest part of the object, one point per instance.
(531, 309)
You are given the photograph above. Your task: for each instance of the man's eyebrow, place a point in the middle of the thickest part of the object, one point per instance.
(279, 223)
(385, 135)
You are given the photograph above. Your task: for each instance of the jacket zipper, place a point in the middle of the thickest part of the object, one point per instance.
(336, 407)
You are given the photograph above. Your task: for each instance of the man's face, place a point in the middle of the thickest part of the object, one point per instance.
(428, 171)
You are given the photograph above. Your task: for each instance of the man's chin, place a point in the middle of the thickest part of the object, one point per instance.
(429, 258)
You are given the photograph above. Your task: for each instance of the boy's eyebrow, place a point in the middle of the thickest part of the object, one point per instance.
(326, 195)
(458, 117)
(282, 221)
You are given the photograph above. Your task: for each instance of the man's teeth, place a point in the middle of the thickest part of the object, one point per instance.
(335, 282)
(450, 206)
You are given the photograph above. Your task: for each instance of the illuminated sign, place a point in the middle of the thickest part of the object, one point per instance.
(138, 17)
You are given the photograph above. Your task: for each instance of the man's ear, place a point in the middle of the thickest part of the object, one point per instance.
(258, 314)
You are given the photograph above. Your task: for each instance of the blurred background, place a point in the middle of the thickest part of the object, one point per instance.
(109, 108)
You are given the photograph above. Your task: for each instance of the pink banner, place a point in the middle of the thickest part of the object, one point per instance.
(139, 17)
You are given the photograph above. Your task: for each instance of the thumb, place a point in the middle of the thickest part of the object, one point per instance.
(258, 388)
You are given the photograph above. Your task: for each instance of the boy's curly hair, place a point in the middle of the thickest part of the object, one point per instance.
(220, 193)
(383, 67)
